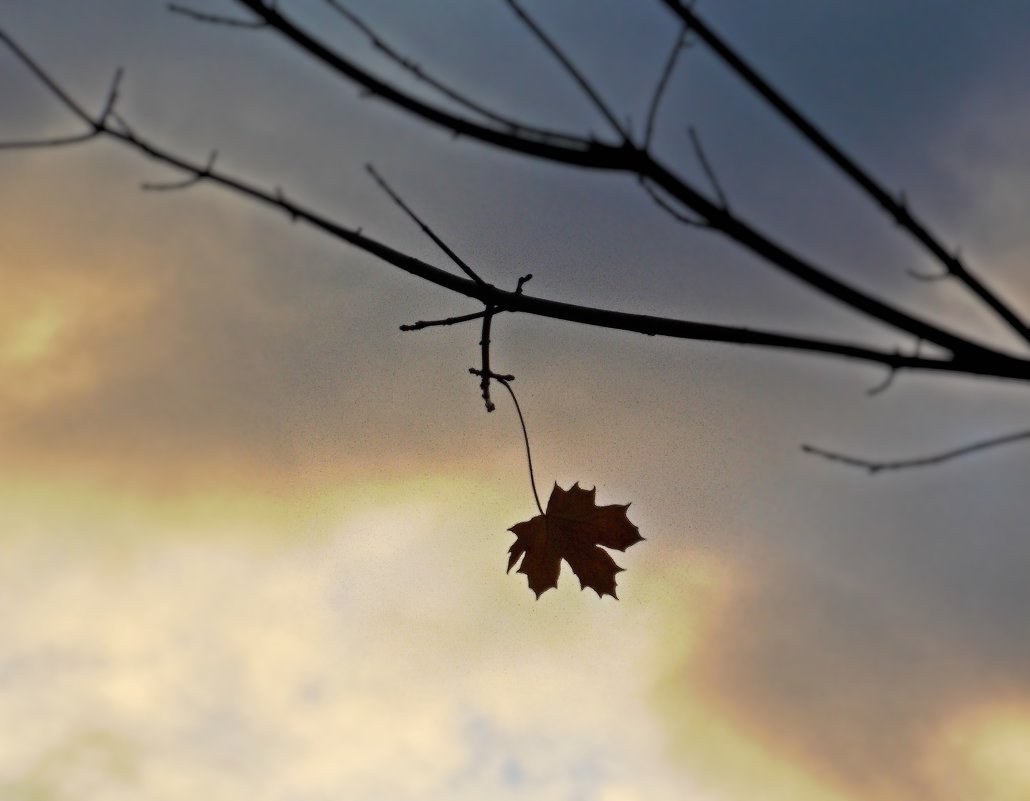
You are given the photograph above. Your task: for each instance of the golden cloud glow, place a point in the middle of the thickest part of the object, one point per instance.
(263, 668)
(52, 324)
(984, 753)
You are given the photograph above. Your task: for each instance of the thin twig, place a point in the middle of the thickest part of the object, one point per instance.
(884, 385)
(420, 74)
(463, 318)
(485, 373)
(215, 19)
(196, 178)
(652, 113)
(505, 382)
(49, 82)
(665, 206)
(425, 228)
(112, 96)
(61, 141)
(707, 167)
(570, 68)
(923, 461)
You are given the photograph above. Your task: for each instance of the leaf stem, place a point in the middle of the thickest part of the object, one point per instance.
(525, 436)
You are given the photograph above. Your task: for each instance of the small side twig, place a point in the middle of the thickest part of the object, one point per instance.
(873, 467)
(96, 126)
(672, 211)
(485, 374)
(112, 98)
(416, 71)
(570, 68)
(59, 141)
(463, 318)
(707, 167)
(663, 80)
(215, 19)
(185, 183)
(425, 228)
(884, 385)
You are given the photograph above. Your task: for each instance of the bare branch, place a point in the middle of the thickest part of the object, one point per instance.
(485, 374)
(570, 68)
(897, 210)
(463, 318)
(61, 141)
(665, 206)
(663, 80)
(707, 167)
(626, 158)
(192, 180)
(420, 74)
(73, 139)
(112, 96)
(425, 228)
(874, 467)
(883, 386)
(55, 89)
(970, 360)
(215, 19)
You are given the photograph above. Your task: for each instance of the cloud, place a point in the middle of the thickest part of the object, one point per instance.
(371, 661)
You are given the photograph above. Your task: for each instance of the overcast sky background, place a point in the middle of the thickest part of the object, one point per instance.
(254, 536)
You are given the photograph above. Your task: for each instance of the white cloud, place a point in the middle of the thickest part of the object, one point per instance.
(392, 659)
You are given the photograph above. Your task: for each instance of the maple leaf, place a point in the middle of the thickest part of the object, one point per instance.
(573, 528)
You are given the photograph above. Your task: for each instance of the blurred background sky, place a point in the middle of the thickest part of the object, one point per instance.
(253, 537)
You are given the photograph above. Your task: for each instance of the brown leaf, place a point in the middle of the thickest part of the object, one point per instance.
(572, 528)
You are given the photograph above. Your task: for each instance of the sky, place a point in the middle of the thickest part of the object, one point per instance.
(253, 536)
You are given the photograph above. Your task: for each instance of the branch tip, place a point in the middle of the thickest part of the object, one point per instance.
(216, 19)
(663, 80)
(695, 140)
(873, 466)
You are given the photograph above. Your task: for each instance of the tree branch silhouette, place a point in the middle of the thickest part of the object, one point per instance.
(873, 466)
(626, 157)
(416, 71)
(896, 208)
(962, 354)
(972, 359)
